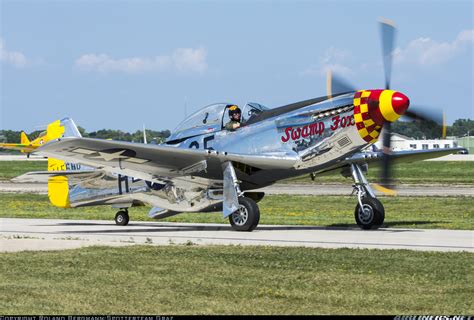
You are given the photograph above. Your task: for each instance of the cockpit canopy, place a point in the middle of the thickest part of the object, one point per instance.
(251, 110)
(212, 118)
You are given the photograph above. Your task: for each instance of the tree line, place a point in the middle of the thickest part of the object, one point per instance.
(413, 129)
(153, 136)
(432, 130)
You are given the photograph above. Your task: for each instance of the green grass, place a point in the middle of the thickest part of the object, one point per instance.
(235, 280)
(11, 169)
(422, 172)
(401, 212)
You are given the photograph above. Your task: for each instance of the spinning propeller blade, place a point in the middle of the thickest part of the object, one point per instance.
(422, 114)
(443, 133)
(434, 120)
(387, 39)
(336, 85)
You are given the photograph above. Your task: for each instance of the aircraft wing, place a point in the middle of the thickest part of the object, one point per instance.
(403, 156)
(374, 158)
(153, 162)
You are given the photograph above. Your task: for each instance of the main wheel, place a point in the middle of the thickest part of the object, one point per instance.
(122, 218)
(371, 216)
(246, 218)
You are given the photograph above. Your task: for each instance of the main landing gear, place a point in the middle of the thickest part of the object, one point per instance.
(122, 218)
(242, 210)
(246, 217)
(369, 212)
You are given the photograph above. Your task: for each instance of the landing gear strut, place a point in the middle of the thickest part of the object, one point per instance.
(369, 212)
(122, 218)
(242, 211)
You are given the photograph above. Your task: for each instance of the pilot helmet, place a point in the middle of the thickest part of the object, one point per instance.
(233, 109)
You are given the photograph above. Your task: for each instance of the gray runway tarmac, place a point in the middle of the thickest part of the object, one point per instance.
(298, 189)
(54, 234)
(342, 189)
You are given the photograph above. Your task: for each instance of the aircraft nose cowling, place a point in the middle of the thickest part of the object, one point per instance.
(387, 105)
(373, 108)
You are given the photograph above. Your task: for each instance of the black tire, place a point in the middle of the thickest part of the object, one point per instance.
(246, 218)
(372, 217)
(122, 218)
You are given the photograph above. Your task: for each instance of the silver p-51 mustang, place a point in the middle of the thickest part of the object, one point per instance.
(203, 166)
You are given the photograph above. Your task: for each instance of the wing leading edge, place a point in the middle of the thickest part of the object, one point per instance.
(403, 156)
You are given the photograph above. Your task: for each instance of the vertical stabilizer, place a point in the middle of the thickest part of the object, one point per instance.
(70, 128)
(144, 135)
(58, 186)
(24, 138)
(54, 131)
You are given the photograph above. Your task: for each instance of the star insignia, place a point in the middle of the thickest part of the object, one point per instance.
(110, 156)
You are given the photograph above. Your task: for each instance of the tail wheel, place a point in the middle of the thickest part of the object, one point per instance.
(246, 218)
(122, 218)
(371, 215)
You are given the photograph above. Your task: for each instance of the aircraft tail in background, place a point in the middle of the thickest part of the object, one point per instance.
(58, 186)
(24, 138)
(70, 128)
(57, 129)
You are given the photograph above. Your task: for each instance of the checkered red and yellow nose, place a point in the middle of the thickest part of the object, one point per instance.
(372, 108)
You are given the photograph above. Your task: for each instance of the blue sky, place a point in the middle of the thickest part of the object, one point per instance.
(123, 64)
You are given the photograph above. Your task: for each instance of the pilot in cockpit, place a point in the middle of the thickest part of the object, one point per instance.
(235, 114)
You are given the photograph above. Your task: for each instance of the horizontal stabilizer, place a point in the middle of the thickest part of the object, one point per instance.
(17, 146)
(43, 176)
(159, 213)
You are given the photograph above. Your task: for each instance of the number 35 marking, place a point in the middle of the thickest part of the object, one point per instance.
(195, 144)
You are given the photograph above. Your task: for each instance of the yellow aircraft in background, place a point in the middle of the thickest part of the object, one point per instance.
(53, 131)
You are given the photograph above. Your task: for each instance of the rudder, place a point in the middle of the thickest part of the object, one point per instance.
(58, 186)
